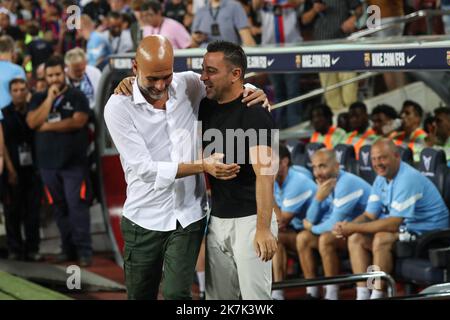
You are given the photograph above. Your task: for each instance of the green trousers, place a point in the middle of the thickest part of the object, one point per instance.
(146, 252)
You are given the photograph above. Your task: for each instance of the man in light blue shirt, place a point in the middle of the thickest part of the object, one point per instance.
(98, 47)
(406, 198)
(341, 196)
(9, 70)
(293, 193)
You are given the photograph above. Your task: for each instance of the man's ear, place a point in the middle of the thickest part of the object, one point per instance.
(237, 73)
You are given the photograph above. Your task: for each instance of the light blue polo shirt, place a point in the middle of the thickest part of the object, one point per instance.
(8, 72)
(411, 196)
(97, 46)
(295, 196)
(347, 201)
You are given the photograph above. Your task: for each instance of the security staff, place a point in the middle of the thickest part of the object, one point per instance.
(22, 187)
(59, 116)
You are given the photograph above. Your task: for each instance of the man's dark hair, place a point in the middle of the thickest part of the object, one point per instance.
(358, 105)
(114, 15)
(54, 61)
(429, 119)
(16, 80)
(284, 153)
(417, 107)
(325, 110)
(155, 6)
(440, 110)
(232, 53)
(386, 109)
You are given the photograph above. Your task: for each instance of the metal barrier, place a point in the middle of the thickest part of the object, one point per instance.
(342, 279)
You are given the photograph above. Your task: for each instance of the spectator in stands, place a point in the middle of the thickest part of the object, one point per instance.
(119, 6)
(176, 10)
(140, 12)
(82, 76)
(341, 196)
(279, 24)
(439, 137)
(361, 133)
(9, 70)
(38, 50)
(334, 19)
(8, 28)
(384, 120)
(60, 118)
(212, 22)
(394, 202)
(22, 192)
(120, 39)
(98, 47)
(390, 10)
(293, 193)
(343, 122)
(167, 27)
(324, 131)
(412, 135)
(97, 10)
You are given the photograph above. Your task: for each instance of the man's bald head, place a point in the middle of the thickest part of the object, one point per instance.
(155, 50)
(386, 144)
(328, 154)
(153, 66)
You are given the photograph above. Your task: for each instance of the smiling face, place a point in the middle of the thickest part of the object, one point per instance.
(216, 75)
(385, 159)
(154, 80)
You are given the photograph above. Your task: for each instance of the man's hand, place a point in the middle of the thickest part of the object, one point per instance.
(307, 225)
(265, 244)
(348, 26)
(53, 92)
(252, 97)
(325, 188)
(214, 166)
(343, 229)
(125, 87)
(12, 177)
(319, 7)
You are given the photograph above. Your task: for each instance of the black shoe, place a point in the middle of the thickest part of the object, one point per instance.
(34, 257)
(85, 261)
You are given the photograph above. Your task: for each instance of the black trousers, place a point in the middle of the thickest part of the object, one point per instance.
(22, 204)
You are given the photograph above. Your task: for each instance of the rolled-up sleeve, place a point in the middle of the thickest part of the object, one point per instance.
(165, 174)
(132, 147)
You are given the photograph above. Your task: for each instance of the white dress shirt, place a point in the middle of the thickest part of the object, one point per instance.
(151, 143)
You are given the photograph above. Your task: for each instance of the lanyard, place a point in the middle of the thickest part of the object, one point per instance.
(214, 16)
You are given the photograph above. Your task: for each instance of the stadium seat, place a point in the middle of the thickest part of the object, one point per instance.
(364, 168)
(298, 153)
(433, 164)
(406, 154)
(310, 149)
(345, 154)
